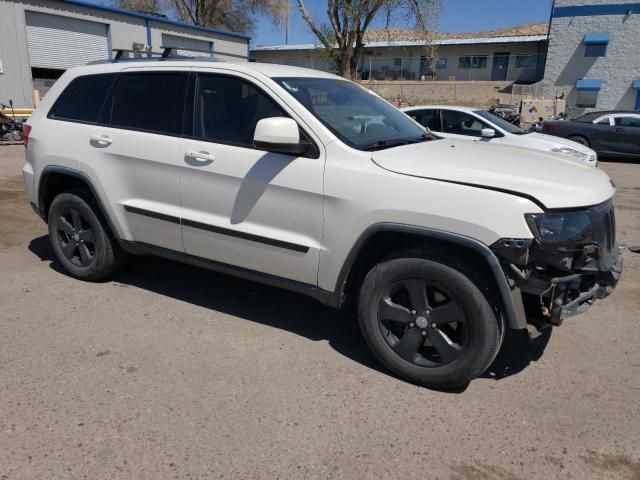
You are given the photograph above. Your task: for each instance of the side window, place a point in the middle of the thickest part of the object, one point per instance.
(603, 121)
(149, 101)
(83, 98)
(426, 118)
(627, 122)
(228, 109)
(461, 123)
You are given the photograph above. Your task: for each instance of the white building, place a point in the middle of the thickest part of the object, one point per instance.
(594, 54)
(512, 54)
(39, 39)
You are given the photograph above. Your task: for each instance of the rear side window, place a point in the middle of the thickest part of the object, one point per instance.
(426, 118)
(83, 98)
(150, 101)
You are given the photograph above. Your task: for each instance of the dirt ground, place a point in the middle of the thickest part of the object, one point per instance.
(173, 372)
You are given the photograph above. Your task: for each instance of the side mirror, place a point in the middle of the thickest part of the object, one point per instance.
(279, 135)
(488, 133)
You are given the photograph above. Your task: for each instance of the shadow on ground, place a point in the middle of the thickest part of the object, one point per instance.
(282, 309)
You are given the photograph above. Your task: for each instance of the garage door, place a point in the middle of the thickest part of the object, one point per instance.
(188, 46)
(62, 42)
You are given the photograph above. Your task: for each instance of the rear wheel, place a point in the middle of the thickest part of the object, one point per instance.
(80, 239)
(579, 139)
(428, 322)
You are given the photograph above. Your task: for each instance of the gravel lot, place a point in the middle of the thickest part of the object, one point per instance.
(173, 372)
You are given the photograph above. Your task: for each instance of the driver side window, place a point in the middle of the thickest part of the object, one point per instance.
(460, 123)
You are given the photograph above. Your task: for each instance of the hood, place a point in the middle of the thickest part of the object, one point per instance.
(550, 178)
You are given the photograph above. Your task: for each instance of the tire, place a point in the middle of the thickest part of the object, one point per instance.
(446, 345)
(80, 238)
(579, 139)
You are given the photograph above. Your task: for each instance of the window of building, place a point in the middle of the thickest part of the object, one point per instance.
(397, 62)
(441, 63)
(472, 61)
(150, 101)
(227, 110)
(526, 61)
(83, 98)
(587, 93)
(595, 44)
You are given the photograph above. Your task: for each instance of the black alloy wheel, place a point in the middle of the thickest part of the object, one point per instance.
(422, 322)
(75, 237)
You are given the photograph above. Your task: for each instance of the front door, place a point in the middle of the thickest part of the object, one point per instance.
(500, 66)
(242, 206)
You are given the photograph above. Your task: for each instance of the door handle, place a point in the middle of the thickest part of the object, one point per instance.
(100, 140)
(619, 129)
(199, 159)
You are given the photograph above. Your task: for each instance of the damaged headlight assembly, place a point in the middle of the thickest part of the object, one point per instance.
(562, 229)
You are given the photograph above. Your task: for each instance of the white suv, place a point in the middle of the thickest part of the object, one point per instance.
(307, 181)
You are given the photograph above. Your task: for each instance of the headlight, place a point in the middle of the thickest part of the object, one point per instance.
(570, 151)
(561, 227)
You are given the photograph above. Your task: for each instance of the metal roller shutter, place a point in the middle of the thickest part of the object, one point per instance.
(185, 44)
(63, 42)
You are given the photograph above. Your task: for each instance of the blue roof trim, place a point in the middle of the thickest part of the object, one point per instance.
(636, 84)
(591, 10)
(589, 84)
(596, 39)
(155, 18)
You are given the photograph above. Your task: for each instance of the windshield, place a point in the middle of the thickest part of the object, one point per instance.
(501, 122)
(355, 115)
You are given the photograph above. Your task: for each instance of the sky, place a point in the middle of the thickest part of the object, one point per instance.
(455, 16)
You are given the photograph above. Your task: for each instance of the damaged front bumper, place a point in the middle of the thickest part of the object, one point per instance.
(555, 285)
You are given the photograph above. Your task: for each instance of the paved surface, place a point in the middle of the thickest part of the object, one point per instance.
(173, 372)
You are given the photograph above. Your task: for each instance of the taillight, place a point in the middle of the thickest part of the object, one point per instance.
(550, 127)
(26, 130)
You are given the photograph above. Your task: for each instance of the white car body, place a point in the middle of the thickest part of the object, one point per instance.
(532, 140)
(305, 205)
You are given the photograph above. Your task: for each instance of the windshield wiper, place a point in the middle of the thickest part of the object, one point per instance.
(382, 144)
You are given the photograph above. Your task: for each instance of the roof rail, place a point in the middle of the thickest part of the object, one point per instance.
(168, 53)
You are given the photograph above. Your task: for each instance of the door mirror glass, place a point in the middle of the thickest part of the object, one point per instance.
(279, 135)
(488, 133)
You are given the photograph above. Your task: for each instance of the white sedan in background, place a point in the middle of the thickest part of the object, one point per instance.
(481, 126)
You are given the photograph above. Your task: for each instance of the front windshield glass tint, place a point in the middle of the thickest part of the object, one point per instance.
(500, 122)
(357, 116)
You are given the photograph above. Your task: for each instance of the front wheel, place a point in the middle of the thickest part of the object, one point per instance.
(427, 322)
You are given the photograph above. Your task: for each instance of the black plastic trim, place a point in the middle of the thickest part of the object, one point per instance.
(246, 236)
(223, 231)
(323, 296)
(514, 320)
(76, 174)
(152, 214)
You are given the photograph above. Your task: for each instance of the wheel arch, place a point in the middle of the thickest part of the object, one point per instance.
(381, 240)
(56, 179)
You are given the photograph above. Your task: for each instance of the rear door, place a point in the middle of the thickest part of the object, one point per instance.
(240, 205)
(133, 154)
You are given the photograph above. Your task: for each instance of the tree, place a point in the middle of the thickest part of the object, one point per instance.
(233, 15)
(343, 38)
(147, 6)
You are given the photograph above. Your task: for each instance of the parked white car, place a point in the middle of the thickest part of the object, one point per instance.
(307, 181)
(478, 125)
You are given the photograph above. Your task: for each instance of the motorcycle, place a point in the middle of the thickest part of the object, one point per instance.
(10, 128)
(507, 112)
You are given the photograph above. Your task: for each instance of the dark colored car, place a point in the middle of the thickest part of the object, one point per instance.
(611, 134)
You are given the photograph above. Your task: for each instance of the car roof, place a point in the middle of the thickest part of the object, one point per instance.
(268, 69)
(458, 108)
(589, 116)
